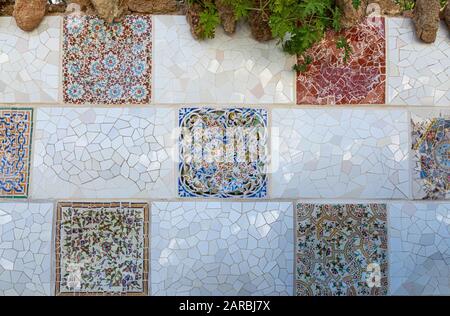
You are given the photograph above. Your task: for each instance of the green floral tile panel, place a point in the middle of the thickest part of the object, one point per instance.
(101, 248)
(341, 249)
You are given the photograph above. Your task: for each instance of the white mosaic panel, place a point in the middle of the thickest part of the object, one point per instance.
(103, 153)
(225, 69)
(419, 249)
(229, 248)
(340, 153)
(25, 248)
(29, 61)
(418, 73)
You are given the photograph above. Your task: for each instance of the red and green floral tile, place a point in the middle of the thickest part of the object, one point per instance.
(107, 63)
(102, 248)
(360, 79)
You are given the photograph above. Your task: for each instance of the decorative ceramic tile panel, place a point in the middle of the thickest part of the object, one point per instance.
(222, 248)
(223, 153)
(104, 153)
(25, 248)
(340, 153)
(341, 249)
(101, 248)
(419, 73)
(419, 255)
(226, 69)
(330, 79)
(431, 154)
(107, 63)
(16, 127)
(29, 61)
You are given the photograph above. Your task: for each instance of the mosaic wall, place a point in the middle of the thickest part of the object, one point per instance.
(222, 153)
(25, 244)
(341, 153)
(225, 69)
(100, 153)
(331, 79)
(219, 141)
(419, 241)
(101, 248)
(430, 133)
(419, 74)
(222, 248)
(29, 62)
(107, 64)
(16, 127)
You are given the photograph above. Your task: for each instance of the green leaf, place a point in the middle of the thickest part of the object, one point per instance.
(356, 4)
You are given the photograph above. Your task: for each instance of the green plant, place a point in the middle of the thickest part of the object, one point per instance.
(407, 5)
(208, 19)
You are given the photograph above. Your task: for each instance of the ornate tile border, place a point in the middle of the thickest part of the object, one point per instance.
(103, 220)
(329, 79)
(223, 153)
(431, 154)
(16, 129)
(101, 66)
(341, 249)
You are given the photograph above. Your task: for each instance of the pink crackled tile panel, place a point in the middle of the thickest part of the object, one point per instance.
(359, 80)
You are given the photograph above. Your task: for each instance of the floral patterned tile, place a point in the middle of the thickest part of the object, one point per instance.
(102, 248)
(341, 249)
(223, 153)
(329, 79)
(431, 154)
(107, 63)
(16, 127)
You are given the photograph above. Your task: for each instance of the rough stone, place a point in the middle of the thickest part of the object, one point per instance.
(426, 19)
(29, 13)
(193, 18)
(446, 12)
(259, 24)
(152, 6)
(386, 7)
(350, 15)
(110, 10)
(227, 16)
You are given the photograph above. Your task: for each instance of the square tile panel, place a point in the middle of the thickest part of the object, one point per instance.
(29, 61)
(16, 127)
(341, 249)
(222, 248)
(107, 63)
(223, 153)
(25, 248)
(431, 154)
(226, 69)
(102, 248)
(103, 153)
(340, 153)
(359, 80)
(419, 248)
(419, 73)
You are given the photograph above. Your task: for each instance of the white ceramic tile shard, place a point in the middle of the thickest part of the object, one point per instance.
(25, 248)
(103, 153)
(222, 248)
(419, 248)
(29, 61)
(234, 69)
(340, 153)
(418, 73)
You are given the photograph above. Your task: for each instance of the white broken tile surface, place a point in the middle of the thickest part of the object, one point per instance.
(29, 61)
(419, 248)
(235, 69)
(418, 73)
(103, 153)
(340, 153)
(222, 248)
(25, 248)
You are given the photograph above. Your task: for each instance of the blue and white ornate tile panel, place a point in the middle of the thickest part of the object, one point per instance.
(222, 248)
(223, 153)
(419, 248)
